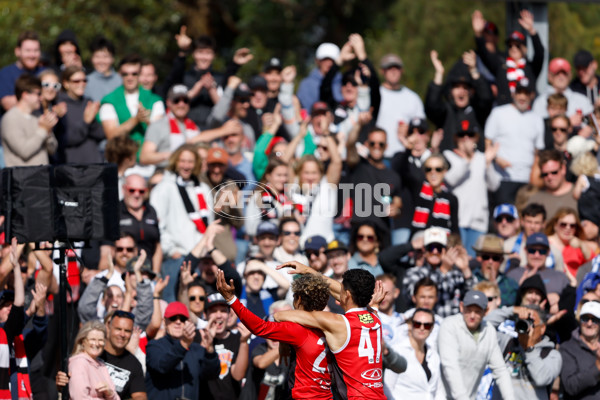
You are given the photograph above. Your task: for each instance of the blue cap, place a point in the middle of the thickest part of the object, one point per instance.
(315, 243)
(537, 239)
(267, 228)
(506, 209)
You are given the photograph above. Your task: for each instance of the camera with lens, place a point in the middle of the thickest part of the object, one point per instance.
(522, 325)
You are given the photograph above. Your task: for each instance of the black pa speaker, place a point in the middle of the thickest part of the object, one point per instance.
(66, 202)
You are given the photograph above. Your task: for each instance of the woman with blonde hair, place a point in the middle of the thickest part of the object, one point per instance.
(90, 378)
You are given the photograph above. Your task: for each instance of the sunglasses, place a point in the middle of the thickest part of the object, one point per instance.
(124, 314)
(435, 246)
(134, 191)
(425, 325)
(321, 147)
(545, 174)
(125, 249)
(463, 134)
(495, 257)
(84, 80)
(514, 44)
(179, 318)
(564, 225)
(369, 238)
(506, 218)
(376, 144)
(199, 298)
(554, 129)
(492, 298)
(533, 250)
(181, 99)
(310, 253)
(51, 85)
(436, 169)
(130, 73)
(419, 131)
(243, 101)
(288, 233)
(587, 318)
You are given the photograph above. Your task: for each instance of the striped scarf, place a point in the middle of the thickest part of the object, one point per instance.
(4, 367)
(176, 138)
(23, 384)
(271, 200)
(515, 71)
(428, 205)
(198, 216)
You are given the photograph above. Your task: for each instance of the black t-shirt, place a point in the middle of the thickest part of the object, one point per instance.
(270, 380)
(145, 232)
(126, 373)
(225, 387)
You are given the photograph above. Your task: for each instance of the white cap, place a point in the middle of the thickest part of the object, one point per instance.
(592, 308)
(327, 50)
(435, 235)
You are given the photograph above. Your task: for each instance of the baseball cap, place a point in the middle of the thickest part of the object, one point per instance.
(315, 243)
(215, 299)
(242, 91)
(418, 123)
(559, 64)
(506, 209)
(489, 244)
(336, 245)
(146, 267)
(319, 107)
(327, 50)
(490, 27)
(267, 228)
(391, 60)
(582, 59)
(468, 126)
(537, 239)
(6, 296)
(524, 84)
(257, 82)
(475, 298)
(217, 155)
(516, 36)
(435, 235)
(273, 63)
(177, 91)
(176, 308)
(592, 308)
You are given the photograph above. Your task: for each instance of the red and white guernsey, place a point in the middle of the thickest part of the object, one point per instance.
(357, 368)
(312, 378)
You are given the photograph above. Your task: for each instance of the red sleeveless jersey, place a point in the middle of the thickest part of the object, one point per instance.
(357, 369)
(312, 379)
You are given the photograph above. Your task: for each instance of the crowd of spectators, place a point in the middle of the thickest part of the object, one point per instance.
(478, 208)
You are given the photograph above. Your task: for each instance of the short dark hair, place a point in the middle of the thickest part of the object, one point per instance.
(196, 283)
(102, 43)
(424, 310)
(534, 209)
(541, 313)
(550, 155)
(376, 129)
(313, 291)
(27, 35)
(205, 42)
(286, 220)
(361, 284)
(131, 59)
(424, 282)
(119, 148)
(26, 83)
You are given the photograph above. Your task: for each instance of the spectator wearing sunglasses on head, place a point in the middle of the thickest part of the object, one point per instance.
(448, 268)
(490, 255)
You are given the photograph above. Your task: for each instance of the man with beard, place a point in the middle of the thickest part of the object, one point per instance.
(519, 133)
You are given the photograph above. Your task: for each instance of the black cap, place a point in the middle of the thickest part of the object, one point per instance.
(418, 123)
(582, 59)
(273, 63)
(524, 85)
(242, 92)
(257, 82)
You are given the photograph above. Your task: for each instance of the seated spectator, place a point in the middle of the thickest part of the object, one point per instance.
(448, 268)
(176, 364)
(365, 244)
(423, 375)
(83, 132)
(470, 177)
(28, 140)
(435, 205)
(579, 374)
(506, 220)
(467, 344)
(490, 255)
(89, 375)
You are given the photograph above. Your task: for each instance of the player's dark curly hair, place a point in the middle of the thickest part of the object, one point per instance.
(313, 291)
(361, 284)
